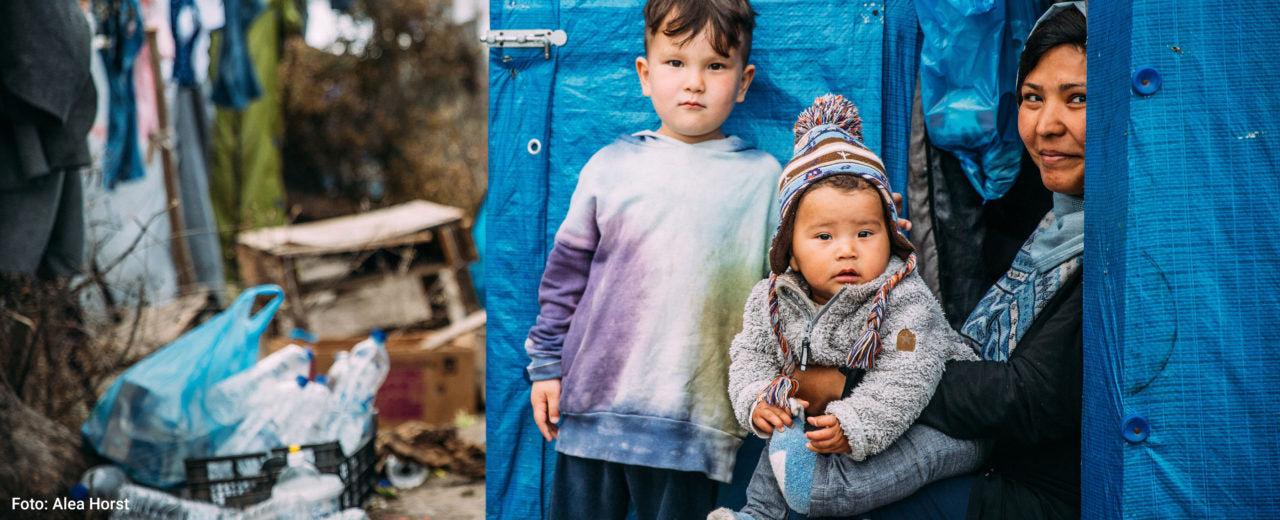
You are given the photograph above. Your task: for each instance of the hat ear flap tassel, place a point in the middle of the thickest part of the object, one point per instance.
(868, 346)
(784, 386)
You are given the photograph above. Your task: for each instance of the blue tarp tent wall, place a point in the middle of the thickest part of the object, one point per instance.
(586, 95)
(1182, 293)
(1182, 249)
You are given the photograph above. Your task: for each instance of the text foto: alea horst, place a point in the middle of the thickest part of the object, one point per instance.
(68, 504)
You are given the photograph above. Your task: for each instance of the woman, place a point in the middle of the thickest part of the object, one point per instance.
(1023, 398)
(1026, 398)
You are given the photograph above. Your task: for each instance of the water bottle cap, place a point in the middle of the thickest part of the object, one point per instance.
(302, 381)
(79, 492)
(378, 336)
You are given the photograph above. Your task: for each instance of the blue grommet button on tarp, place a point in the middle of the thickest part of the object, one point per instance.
(1135, 428)
(1146, 80)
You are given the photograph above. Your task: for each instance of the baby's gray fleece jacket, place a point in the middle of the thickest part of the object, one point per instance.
(891, 395)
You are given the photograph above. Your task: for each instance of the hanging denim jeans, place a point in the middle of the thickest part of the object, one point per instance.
(236, 83)
(184, 20)
(120, 22)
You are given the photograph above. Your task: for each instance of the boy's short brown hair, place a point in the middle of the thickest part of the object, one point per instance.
(730, 22)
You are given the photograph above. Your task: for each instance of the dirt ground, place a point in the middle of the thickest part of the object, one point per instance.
(441, 497)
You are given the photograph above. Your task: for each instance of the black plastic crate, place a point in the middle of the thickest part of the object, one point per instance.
(241, 481)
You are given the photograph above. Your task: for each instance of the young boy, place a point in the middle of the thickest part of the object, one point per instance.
(665, 235)
(851, 279)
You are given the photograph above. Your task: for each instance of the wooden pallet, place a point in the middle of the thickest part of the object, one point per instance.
(380, 269)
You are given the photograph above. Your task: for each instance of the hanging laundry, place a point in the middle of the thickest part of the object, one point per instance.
(144, 80)
(236, 83)
(120, 23)
(184, 20)
(191, 128)
(193, 177)
(246, 183)
(49, 103)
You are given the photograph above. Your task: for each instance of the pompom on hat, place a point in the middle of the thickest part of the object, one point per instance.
(828, 143)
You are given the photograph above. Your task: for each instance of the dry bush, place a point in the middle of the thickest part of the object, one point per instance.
(56, 359)
(400, 119)
(49, 370)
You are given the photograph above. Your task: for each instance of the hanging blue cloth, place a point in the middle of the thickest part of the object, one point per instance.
(968, 68)
(183, 15)
(121, 23)
(236, 83)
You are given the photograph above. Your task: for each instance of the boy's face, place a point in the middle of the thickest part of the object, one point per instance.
(839, 238)
(692, 87)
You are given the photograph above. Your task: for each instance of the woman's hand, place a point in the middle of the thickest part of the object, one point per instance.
(903, 223)
(818, 386)
(830, 439)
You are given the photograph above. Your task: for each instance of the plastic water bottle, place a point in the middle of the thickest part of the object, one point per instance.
(301, 491)
(366, 369)
(229, 400)
(150, 504)
(262, 428)
(303, 418)
(341, 361)
(353, 393)
(99, 482)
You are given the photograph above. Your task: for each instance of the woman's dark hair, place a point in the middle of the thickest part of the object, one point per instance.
(1068, 27)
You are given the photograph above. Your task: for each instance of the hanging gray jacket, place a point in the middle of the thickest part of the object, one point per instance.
(904, 376)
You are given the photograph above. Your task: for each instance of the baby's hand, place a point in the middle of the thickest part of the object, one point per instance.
(830, 439)
(767, 417)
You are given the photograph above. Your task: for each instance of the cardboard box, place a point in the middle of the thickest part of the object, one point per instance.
(425, 385)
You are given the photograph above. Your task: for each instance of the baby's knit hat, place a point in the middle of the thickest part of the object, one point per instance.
(829, 142)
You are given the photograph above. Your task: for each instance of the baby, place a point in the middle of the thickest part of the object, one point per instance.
(842, 275)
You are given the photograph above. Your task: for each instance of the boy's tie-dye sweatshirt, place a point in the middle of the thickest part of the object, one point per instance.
(642, 296)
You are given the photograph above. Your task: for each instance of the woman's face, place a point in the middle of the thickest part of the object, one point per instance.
(1051, 118)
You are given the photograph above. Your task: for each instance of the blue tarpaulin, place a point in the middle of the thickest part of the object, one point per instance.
(1182, 247)
(585, 96)
(1182, 227)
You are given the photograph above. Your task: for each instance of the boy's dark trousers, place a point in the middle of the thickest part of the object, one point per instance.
(595, 489)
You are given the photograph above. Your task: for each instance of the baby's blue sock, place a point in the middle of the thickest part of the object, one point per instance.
(793, 463)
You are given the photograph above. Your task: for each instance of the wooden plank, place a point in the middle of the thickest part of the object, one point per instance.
(453, 299)
(294, 305)
(358, 305)
(177, 224)
(446, 335)
(293, 250)
(371, 230)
